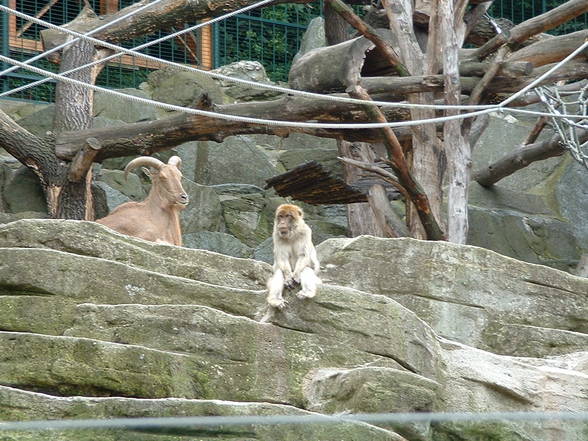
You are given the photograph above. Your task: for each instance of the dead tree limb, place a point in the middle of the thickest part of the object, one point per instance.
(521, 158)
(388, 220)
(384, 174)
(370, 33)
(83, 160)
(541, 23)
(536, 131)
(476, 94)
(552, 49)
(474, 15)
(398, 162)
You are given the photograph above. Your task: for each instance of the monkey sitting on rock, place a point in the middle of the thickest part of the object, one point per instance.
(295, 259)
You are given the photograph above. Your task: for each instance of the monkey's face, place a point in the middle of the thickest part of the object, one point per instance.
(288, 218)
(285, 225)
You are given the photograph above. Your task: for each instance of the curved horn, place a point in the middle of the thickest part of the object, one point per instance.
(175, 160)
(146, 161)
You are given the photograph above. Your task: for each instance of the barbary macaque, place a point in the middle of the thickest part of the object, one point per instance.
(295, 259)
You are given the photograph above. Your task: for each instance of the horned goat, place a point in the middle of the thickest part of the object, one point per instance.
(157, 218)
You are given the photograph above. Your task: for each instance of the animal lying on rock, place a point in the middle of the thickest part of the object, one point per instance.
(157, 218)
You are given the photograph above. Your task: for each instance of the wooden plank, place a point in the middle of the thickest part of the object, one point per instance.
(313, 184)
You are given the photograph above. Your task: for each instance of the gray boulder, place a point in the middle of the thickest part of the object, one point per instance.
(374, 390)
(94, 240)
(204, 212)
(40, 122)
(570, 192)
(536, 239)
(170, 329)
(245, 212)
(264, 252)
(326, 157)
(19, 109)
(130, 186)
(218, 242)
(238, 160)
(23, 192)
(181, 87)
(245, 70)
(296, 141)
(116, 108)
(463, 292)
(113, 197)
(478, 381)
(33, 406)
(313, 38)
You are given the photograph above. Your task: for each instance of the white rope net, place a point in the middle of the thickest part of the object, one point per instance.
(558, 105)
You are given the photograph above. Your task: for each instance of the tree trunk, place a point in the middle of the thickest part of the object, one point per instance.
(336, 29)
(73, 112)
(428, 158)
(360, 216)
(458, 149)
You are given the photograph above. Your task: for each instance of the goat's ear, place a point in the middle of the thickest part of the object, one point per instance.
(175, 160)
(146, 171)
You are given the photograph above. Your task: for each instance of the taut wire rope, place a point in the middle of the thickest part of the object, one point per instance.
(134, 52)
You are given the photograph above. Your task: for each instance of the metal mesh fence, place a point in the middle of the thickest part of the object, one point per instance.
(270, 35)
(21, 40)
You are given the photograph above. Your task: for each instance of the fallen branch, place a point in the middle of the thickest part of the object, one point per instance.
(384, 174)
(370, 33)
(521, 158)
(387, 219)
(400, 166)
(536, 25)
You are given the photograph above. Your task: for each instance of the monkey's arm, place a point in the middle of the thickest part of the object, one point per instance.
(282, 262)
(306, 255)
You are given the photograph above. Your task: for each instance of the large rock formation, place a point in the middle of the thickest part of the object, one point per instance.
(97, 324)
(468, 294)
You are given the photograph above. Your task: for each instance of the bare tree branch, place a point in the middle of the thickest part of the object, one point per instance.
(398, 161)
(541, 23)
(366, 30)
(521, 158)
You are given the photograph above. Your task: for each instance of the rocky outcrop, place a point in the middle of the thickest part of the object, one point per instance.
(97, 324)
(536, 215)
(468, 294)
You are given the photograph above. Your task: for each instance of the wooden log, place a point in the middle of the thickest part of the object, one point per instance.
(507, 69)
(552, 50)
(384, 47)
(83, 160)
(534, 26)
(330, 68)
(312, 183)
(522, 157)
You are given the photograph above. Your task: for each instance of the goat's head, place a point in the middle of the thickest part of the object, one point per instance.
(167, 178)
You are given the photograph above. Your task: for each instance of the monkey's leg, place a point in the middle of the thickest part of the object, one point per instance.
(275, 286)
(309, 282)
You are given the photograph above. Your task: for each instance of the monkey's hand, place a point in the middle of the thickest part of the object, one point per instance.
(277, 303)
(291, 282)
